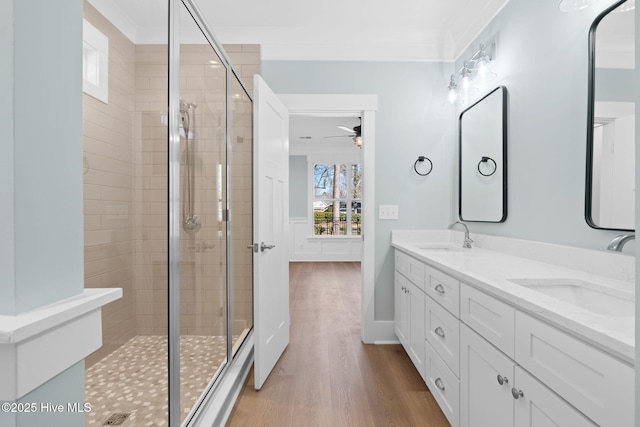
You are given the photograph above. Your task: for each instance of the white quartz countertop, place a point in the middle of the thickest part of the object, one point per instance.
(492, 271)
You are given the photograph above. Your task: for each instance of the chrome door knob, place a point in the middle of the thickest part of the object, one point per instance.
(264, 247)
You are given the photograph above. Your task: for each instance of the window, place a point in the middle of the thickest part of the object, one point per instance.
(95, 62)
(337, 199)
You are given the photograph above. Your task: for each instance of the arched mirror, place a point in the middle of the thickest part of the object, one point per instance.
(610, 185)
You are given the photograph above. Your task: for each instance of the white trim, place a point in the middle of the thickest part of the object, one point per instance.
(364, 106)
(385, 332)
(66, 332)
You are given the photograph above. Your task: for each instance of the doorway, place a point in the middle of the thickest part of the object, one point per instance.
(363, 106)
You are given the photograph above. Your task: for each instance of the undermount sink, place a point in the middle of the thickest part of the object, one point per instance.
(589, 296)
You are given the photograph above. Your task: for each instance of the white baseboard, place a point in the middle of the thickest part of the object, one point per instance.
(385, 332)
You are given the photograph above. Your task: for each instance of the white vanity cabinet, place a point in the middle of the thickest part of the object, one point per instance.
(401, 308)
(409, 309)
(491, 363)
(486, 377)
(496, 392)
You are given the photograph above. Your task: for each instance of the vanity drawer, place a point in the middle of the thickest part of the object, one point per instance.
(489, 317)
(445, 290)
(595, 383)
(443, 333)
(443, 384)
(410, 268)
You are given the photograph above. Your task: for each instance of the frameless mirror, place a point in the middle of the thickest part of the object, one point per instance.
(610, 184)
(482, 159)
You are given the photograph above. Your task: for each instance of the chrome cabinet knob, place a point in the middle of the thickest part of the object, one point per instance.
(439, 289)
(502, 380)
(439, 383)
(439, 332)
(517, 394)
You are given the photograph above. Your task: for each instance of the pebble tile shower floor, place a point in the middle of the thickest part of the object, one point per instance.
(133, 379)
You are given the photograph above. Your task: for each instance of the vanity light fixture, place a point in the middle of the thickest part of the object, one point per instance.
(453, 89)
(477, 70)
(465, 76)
(572, 5)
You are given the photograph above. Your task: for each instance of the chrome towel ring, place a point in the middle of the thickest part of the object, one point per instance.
(486, 160)
(421, 159)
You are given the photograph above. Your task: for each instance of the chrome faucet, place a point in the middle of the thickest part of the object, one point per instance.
(618, 242)
(467, 240)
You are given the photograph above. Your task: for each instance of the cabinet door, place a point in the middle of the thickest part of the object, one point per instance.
(483, 400)
(538, 406)
(401, 308)
(592, 381)
(416, 327)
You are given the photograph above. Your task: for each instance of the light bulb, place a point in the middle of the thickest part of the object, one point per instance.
(453, 95)
(465, 80)
(453, 90)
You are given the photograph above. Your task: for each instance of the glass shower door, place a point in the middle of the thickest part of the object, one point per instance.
(203, 206)
(241, 201)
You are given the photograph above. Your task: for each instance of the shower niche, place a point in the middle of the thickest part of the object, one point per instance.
(168, 215)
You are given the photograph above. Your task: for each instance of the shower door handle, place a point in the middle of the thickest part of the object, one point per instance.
(264, 247)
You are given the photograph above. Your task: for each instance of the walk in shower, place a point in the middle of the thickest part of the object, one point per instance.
(168, 211)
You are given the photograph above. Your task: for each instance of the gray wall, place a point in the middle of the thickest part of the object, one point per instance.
(41, 216)
(411, 121)
(542, 59)
(41, 222)
(298, 186)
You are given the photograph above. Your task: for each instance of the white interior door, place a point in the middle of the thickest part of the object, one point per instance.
(271, 212)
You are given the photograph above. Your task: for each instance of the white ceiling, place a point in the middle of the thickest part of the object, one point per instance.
(351, 29)
(355, 30)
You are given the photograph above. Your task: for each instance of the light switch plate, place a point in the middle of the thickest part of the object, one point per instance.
(388, 211)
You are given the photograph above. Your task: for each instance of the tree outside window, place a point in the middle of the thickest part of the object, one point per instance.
(337, 199)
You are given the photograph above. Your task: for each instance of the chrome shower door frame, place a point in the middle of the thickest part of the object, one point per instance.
(175, 222)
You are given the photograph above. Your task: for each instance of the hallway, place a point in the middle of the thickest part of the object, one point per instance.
(327, 376)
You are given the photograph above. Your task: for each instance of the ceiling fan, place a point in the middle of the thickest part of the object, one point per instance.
(353, 132)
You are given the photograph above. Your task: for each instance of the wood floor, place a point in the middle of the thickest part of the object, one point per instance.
(327, 376)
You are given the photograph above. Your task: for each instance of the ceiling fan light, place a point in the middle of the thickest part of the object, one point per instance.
(358, 141)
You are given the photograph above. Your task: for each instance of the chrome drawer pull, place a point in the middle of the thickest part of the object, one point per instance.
(502, 380)
(439, 289)
(517, 394)
(439, 384)
(439, 332)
